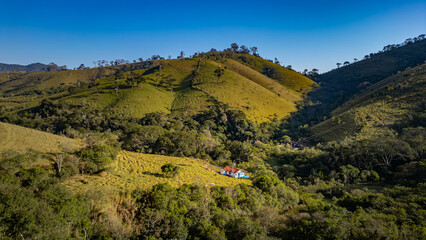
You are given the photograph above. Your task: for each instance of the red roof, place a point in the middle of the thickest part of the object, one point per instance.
(232, 170)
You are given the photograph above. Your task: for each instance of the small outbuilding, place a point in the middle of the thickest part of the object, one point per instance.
(234, 172)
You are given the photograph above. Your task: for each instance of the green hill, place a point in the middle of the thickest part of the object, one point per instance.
(396, 102)
(182, 86)
(344, 82)
(21, 139)
(286, 77)
(142, 171)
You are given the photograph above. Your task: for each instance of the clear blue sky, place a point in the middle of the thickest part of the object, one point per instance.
(305, 34)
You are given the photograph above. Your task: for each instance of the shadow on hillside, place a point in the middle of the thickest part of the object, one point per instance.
(153, 174)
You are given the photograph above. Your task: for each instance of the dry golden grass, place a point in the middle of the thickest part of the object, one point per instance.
(21, 139)
(268, 83)
(142, 171)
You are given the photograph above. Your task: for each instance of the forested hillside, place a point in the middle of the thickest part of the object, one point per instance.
(134, 151)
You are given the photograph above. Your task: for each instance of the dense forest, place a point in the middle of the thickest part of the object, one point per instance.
(368, 185)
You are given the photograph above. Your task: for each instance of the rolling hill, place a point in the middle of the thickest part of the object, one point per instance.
(339, 85)
(396, 102)
(20, 139)
(342, 83)
(194, 86)
(34, 67)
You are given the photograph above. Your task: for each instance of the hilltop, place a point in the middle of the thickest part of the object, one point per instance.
(396, 102)
(341, 84)
(34, 67)
(261, 89)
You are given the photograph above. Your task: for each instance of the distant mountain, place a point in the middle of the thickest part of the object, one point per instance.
(33, 67)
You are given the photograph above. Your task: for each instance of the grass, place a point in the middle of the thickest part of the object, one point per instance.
(262, 80)
(393, 101)
(258, 103)
(21, 82)
(259, 97)
(286, 77)
(21, 139)
(142, 171)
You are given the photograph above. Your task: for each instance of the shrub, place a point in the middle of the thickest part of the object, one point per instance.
(170, 170)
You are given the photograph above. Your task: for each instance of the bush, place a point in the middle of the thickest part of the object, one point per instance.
(170, 170)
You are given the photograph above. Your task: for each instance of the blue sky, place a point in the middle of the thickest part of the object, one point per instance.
(304, 34)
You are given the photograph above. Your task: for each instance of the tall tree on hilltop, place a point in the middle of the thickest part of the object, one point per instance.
(244, 49)
(254, 50)
(234, 47)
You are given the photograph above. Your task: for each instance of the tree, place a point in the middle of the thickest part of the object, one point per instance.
(254, 51)
(244, 49)
(276, 61)
(52, 67)
(338, 65)
(346, 63)
(81, 67)
(167, 82)
(355, 59)
(219, 73)
(234, 47)
(170, 170)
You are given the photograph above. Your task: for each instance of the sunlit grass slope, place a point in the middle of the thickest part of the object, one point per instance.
(241, 93)
(21, 139)
(397, 100)
(261, 98)
(21, 82)
(262, 80)
(286, 77)
(142, 171)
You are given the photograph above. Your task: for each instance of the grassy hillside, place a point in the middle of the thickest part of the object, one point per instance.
(286, 77)
(395, 102)
(21, 139)
(262, 80)
(258, 103)
(142, 171)
(338, 85)
(241, 87)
